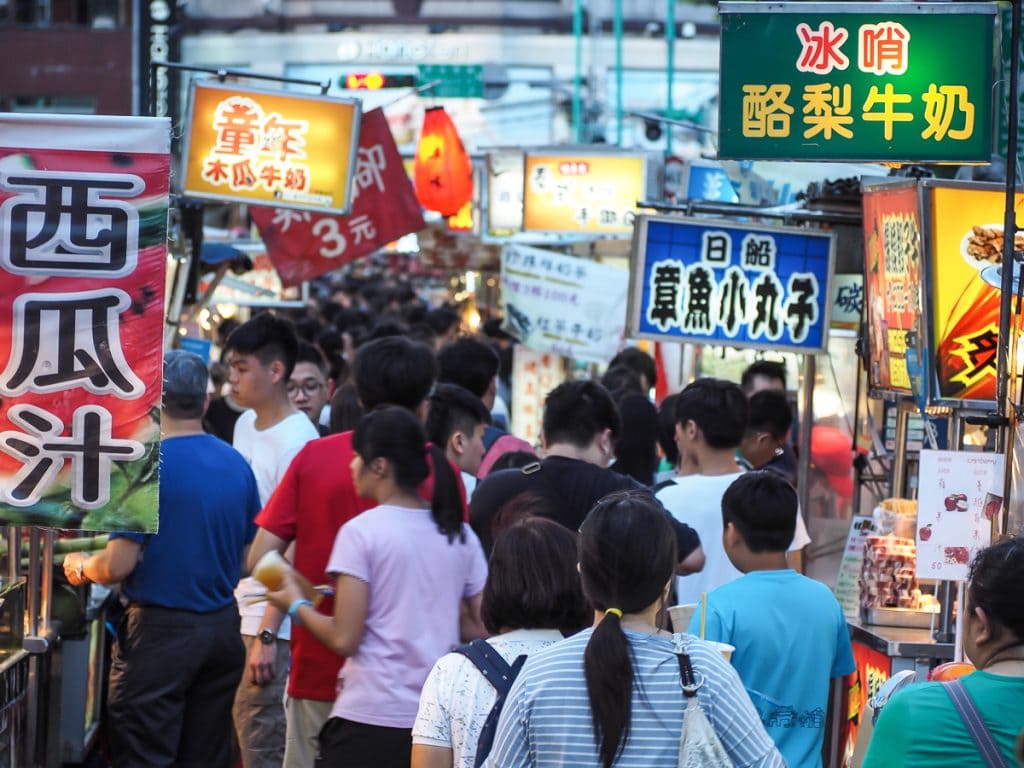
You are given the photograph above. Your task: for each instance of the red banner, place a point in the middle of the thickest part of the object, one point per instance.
(83, 233)
(303, 245)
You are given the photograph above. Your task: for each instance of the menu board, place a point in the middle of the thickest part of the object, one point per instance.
(958, 494)
(563, 305)
(847, 589)
(892, 274)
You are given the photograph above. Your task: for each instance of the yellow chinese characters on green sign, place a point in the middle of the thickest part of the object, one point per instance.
(846, 81)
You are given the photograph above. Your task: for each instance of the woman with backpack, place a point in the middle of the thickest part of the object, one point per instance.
(613, 694)
(409, 580)
(532, 599)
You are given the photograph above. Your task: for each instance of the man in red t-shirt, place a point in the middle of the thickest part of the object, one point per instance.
(313, 500)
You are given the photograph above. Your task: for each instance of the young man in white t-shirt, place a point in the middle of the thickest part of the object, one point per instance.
(262, 356)
(711, 417)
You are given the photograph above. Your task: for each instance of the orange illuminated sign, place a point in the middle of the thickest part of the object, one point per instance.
(271, 148)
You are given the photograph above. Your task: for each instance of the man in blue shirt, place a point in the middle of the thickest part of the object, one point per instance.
(179, 656)
(789, 631)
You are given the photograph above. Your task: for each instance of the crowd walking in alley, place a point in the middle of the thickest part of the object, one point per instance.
(450, 596)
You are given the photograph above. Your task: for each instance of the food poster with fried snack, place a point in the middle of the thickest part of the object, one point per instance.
(959, 492)
(892, 265)
(965, 263)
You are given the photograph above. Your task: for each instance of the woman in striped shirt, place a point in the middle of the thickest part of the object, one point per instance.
(612, 695)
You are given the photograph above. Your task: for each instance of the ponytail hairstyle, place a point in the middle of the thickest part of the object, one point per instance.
(446, 503)
(395, 434)
(627, 553)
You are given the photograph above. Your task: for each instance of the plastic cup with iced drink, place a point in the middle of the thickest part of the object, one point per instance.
(270, 570)
(724, 648)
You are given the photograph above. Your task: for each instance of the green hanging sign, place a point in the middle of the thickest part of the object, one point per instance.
(888, 82)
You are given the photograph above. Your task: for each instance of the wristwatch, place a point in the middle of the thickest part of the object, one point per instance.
(267, 637)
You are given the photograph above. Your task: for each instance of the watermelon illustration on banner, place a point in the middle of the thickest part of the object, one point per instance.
(303, 245)
(83, 251)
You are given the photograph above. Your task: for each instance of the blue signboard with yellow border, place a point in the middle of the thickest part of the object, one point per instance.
(714, 282)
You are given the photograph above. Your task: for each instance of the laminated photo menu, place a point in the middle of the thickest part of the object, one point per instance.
(958, 494)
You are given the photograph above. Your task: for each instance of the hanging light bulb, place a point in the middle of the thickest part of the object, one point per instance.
(442, 171)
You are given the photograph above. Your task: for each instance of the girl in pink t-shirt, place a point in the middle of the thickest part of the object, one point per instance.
(409, 579)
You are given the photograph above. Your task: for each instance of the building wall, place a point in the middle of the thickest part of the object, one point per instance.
(536, 115)
(61, 62)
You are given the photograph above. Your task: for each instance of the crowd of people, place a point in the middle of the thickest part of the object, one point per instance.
(458, 597)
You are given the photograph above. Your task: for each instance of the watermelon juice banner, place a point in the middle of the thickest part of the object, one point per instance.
(83, 231)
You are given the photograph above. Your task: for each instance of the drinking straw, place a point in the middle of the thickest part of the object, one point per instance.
(703, 612)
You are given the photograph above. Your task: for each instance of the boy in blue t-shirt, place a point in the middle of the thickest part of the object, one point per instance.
(789, 631)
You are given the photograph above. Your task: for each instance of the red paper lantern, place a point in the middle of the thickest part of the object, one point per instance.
(442, 171)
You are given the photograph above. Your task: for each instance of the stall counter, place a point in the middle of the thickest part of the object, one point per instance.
(879, 652)
(906, 648)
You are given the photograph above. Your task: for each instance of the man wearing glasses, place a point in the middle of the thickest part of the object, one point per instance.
(308, 386)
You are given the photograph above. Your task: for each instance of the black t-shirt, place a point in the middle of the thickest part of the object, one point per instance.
(572, 488)
(220, 418)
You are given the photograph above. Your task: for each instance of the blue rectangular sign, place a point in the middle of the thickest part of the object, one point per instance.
(736, 285)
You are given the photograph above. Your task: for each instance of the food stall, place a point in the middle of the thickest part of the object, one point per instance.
(933, 272)
(931, 322)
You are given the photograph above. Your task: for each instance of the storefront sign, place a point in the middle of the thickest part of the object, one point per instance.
(564, 305)
(716, 282)
(158, 38)
(303, 245)
(504, 192)
(958, 494)
(706, 180)
(857, 81)
(270, 148)
(201, 347)
(847, 301)
(892, 265)
(534, 375)
(358, 47)
(965, 270)
(83, 232)
(595, 193)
